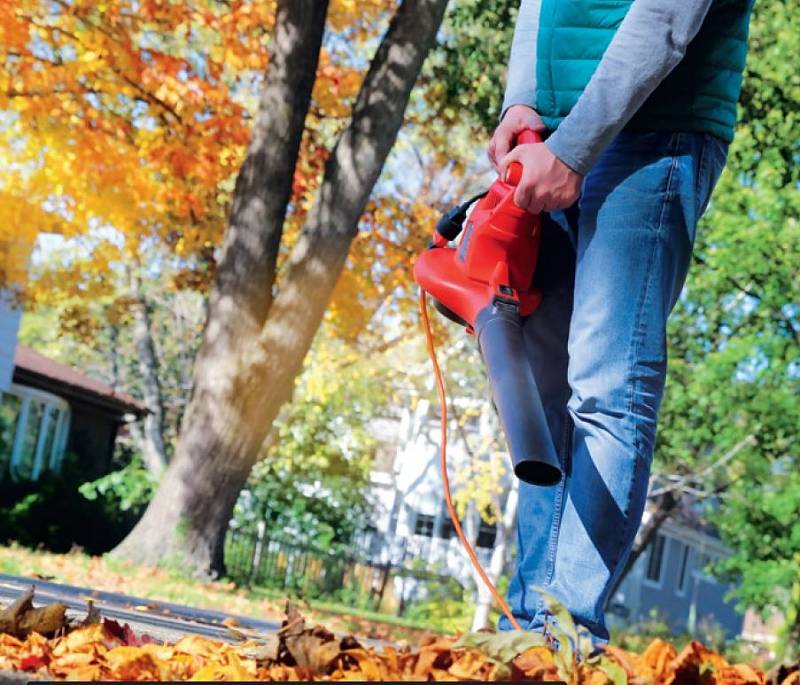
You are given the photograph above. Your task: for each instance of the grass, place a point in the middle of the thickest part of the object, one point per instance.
(104, 573)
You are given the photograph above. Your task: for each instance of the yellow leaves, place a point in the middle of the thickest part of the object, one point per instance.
(658, 656)
(108, 651)
(115, 135)
(538, 663)
(336, 86)
(137, 117)
(20, 222)
(357, 14)
(480, 481)
(659, 664)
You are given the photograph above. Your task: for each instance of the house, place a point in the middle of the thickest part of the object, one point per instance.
(48, 409)
(670, 577)
(407, 494)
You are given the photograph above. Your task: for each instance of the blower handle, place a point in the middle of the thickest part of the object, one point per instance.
(514, 171)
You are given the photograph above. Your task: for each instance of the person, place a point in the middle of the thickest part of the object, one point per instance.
(637, 103)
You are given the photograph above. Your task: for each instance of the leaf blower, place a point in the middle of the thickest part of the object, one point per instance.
(485, 283)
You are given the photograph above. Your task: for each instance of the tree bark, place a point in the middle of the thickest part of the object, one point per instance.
(505, 532)
(259, 330)
(151, 436)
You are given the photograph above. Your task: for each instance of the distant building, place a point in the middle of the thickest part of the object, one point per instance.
(408, 496)
(48, 409)
(671, 578)
(407, 489)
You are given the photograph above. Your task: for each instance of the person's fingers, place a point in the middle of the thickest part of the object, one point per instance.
(502, 142)
(522, 196)
(540, 198)
(537, 203)
(525, 196)
(505, 160)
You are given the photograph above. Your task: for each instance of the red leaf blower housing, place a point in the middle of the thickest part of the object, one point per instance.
(486, 284)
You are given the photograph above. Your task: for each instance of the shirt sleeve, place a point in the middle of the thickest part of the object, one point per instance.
(649, 43)
(521, 81)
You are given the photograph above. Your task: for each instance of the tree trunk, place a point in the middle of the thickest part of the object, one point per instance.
(259, 331)
(151, 436)
(666, 505)
(505, 532)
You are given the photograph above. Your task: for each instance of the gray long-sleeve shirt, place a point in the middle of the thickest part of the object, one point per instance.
(649, 43)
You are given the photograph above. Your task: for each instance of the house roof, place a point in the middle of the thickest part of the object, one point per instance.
(34, 369)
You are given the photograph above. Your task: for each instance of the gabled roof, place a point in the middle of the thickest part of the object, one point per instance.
(36, 370)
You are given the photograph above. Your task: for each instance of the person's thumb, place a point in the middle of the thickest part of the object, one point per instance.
(505, 161)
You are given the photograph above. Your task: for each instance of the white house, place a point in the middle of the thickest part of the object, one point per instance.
(48, 409)
(412, 523)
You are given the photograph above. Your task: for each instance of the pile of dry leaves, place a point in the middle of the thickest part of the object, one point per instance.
(41, 642)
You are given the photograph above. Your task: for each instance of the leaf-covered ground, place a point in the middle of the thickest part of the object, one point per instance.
(104, 573)
(41, 642)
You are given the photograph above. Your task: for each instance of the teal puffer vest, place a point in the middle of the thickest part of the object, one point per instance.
(700, 94)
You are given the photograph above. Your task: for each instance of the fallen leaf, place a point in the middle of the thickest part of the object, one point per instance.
(31, 663)
(503, 646)
(109, 650)
(659, 656)
(266, 651)
(125, 634)
(92, 614)
(11, 616)
(21, 618)
(43, 620)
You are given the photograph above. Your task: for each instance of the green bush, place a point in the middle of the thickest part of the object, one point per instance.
(61, 511)
(444, 606)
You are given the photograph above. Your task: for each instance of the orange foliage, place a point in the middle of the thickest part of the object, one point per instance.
(104, 650)
(134, 116)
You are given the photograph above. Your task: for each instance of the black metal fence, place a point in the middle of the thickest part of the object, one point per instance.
(370, 573)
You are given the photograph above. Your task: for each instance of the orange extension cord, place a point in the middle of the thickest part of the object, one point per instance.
(426, 325)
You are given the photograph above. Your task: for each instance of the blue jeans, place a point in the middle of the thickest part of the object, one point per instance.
(611, 269)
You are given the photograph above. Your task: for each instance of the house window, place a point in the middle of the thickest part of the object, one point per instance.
(9, 413)
(424, 525)
(487, 534)
(34, 426)
(448, 529)
(680, 586)
(655, 560)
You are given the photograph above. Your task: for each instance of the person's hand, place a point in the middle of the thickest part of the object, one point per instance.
(516, 119)
(546, 184)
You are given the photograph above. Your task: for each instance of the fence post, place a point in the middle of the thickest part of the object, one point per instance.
(387, 567)
(255, 561)
(401, 606)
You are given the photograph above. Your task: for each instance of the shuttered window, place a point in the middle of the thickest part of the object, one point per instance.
(655, 559)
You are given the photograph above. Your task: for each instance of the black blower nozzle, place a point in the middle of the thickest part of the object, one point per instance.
(498, 329)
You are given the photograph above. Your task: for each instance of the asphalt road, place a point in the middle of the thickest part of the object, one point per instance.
(161, 620)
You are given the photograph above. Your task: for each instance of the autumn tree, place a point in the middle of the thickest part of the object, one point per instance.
(261, 322)
(120, 147)
(134, 119)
